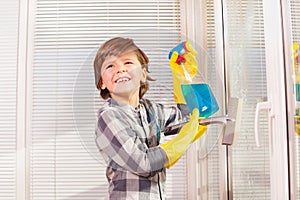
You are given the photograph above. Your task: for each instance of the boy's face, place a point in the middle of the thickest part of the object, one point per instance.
(122, 76)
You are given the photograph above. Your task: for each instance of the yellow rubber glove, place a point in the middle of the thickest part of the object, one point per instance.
(184, 68)
(176, 147)
(178, 96)
(201, 131)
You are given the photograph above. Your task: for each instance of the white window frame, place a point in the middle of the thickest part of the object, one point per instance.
(197, 169)
(22, 149)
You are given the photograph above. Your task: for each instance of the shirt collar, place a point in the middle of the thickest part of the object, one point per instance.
(125, 107)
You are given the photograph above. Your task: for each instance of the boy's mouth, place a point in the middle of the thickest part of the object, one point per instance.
(122, 79)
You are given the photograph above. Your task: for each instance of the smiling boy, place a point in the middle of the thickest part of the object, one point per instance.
(129, 127)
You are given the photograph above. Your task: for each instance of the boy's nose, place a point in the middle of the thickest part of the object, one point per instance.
(121, 69)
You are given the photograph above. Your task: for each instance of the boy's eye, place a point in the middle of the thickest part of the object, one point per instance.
(108, 66)
(128, 63)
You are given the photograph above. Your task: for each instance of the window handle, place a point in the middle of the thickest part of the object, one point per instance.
(261, 106)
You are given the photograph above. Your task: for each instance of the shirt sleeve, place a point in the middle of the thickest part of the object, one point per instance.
(172, 116)
(117, 140)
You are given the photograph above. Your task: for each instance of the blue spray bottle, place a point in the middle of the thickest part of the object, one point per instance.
(197, 93)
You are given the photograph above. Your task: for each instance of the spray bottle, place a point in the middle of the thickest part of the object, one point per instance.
(197, 93)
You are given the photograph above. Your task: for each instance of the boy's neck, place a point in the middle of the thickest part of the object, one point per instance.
(134, 101)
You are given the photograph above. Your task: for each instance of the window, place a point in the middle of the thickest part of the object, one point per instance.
(64, 160)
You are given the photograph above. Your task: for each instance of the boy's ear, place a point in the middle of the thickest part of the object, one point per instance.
(102, 85)
(144, 75)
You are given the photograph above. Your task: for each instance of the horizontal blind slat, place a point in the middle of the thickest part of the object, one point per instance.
(8, 89)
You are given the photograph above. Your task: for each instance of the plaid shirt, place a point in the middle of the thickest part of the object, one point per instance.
(128, 139)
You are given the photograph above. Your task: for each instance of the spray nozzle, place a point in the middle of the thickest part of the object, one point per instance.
(183, 48)
(184, 55)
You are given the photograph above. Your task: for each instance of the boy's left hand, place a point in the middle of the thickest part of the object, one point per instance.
(177, 65)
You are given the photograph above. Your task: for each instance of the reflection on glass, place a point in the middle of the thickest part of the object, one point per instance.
(296, 80)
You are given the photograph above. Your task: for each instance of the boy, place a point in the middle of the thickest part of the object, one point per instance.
(129, 127)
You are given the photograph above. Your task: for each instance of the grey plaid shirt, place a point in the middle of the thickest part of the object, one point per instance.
(128, 139)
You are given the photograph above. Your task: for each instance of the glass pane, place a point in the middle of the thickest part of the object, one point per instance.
(210, 167)
(294, 8)
(64, 160)
(245, 66)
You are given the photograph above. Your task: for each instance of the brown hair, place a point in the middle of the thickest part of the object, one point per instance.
(116, 47)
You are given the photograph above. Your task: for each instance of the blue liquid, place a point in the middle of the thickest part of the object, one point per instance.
(297, 91)
(297, 95)
(200, 96)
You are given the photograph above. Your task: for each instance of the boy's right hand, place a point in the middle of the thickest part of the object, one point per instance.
(190, 132)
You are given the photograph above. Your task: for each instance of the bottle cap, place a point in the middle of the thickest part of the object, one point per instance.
(189, 48)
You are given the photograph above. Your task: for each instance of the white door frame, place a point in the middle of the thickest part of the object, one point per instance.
(275, 68)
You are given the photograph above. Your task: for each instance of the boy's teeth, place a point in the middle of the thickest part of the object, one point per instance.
(122, 79)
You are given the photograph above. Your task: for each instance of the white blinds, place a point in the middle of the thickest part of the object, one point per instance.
(8, 89)
(245, 61)
(64, 161)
